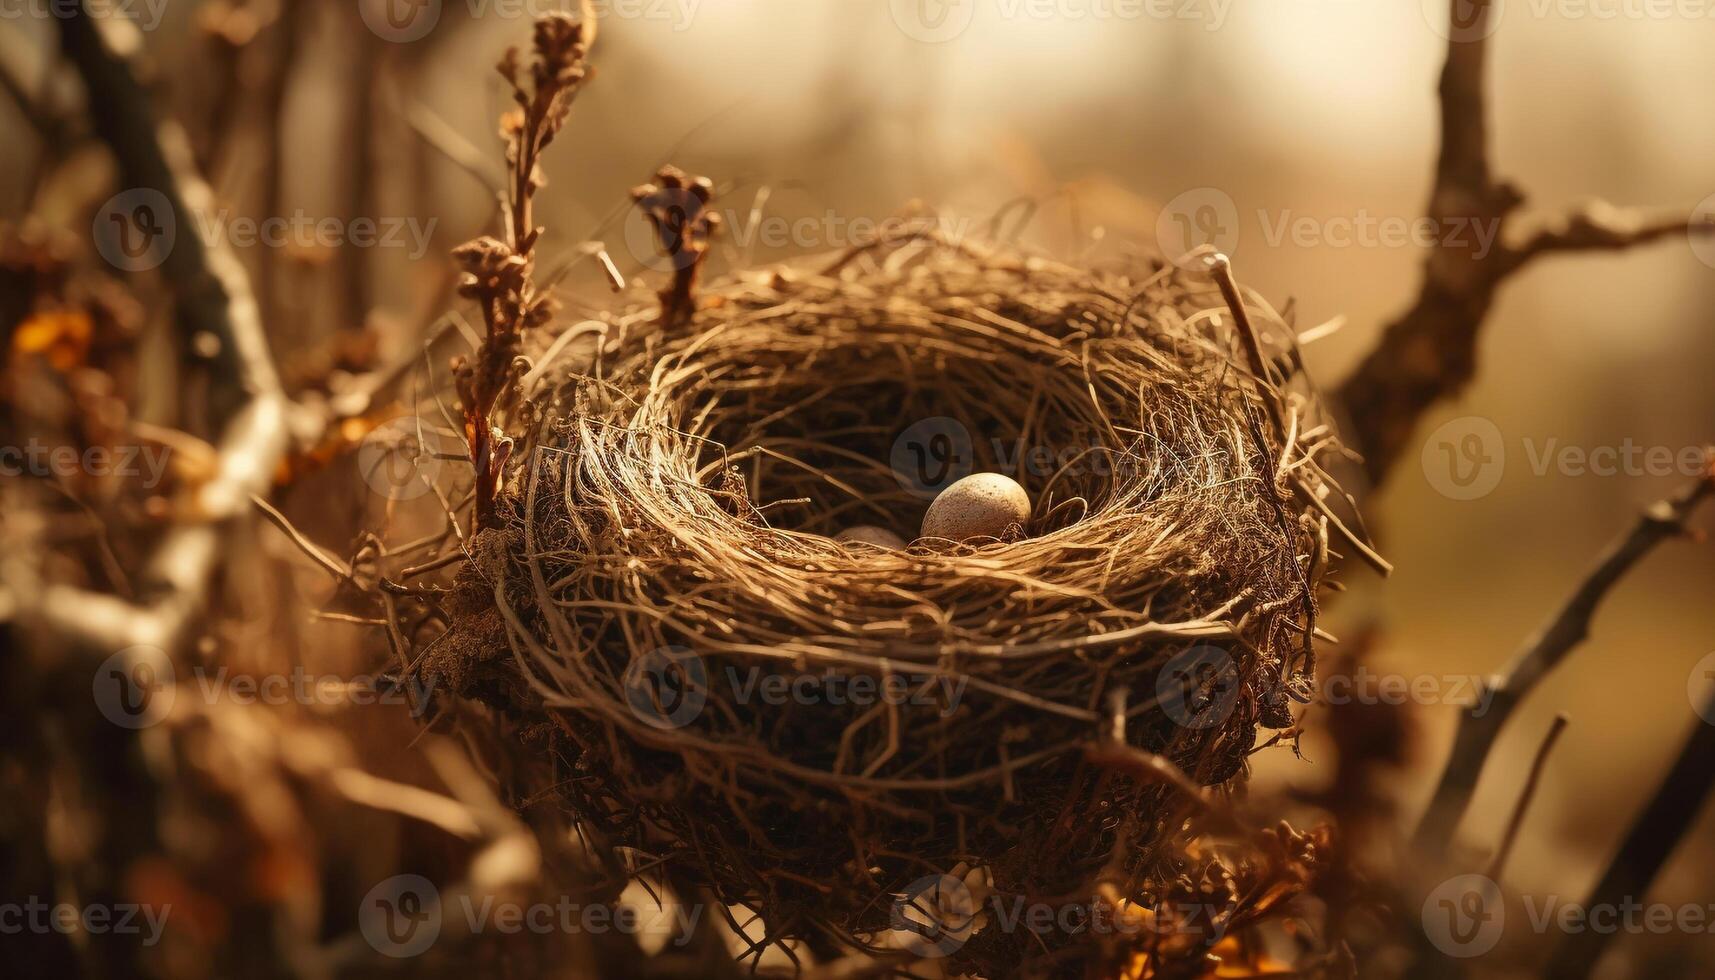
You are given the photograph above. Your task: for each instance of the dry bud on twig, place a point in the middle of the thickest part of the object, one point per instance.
(677, 208)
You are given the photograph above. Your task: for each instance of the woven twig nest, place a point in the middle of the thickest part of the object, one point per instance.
(807, 727)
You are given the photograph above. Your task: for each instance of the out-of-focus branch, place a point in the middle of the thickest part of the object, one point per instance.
(47, 125)
(214, 299)
(1481, 723)
(1430, 352)
(1647, 847)
(1539, 765)
(1601, 227)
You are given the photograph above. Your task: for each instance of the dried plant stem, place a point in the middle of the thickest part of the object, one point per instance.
(499, 275)
(1478, 729)
(1430, 352)
(1220, 267)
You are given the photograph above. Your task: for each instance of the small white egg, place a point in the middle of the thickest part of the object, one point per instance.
(982, 505)
(869, 534)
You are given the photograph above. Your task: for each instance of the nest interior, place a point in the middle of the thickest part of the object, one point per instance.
(667, 550)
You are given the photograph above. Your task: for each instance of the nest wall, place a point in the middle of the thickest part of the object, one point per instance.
(668, 550)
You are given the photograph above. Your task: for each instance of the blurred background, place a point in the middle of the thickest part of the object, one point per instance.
(1306, 127)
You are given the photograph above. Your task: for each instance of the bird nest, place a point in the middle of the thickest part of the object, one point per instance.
(807, 727)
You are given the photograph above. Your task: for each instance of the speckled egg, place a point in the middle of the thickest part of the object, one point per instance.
(982, 505)
(879, 537)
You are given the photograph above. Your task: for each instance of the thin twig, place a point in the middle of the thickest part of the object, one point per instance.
(1497, 867)
(442, 137)
(1220, 268)
(338, 569)
(1478, 728)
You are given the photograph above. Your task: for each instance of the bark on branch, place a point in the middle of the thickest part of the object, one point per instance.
(1430, 352)
(214, 297)
(1647, 847)
(1479, 728)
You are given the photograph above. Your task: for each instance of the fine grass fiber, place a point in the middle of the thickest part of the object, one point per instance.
(805, 727)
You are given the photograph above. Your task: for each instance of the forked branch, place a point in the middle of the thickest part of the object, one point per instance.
(1479, 728)
(1430, 353)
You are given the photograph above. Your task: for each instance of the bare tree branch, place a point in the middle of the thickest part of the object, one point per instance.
(214, 298)
(1647, 847)
(1430, 352)
(1478, 728)
(1602, 227)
